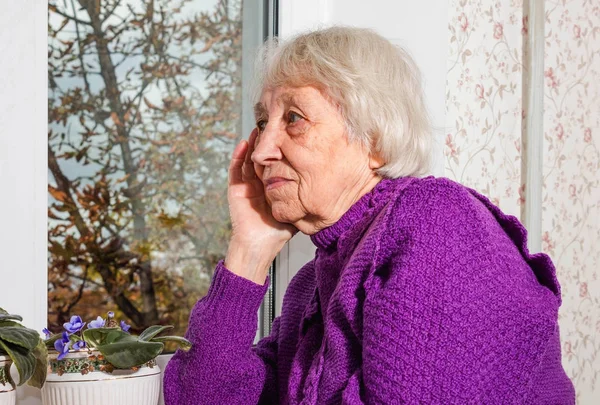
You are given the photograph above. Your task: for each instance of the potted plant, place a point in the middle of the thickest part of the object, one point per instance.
(102, 363)
(23, 348)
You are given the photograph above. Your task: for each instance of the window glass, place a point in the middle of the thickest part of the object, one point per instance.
(144, 111)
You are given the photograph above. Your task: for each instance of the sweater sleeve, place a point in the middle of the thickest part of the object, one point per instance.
(453, 314)
(222, 367)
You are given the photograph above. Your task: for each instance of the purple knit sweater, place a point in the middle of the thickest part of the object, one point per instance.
(422, 293)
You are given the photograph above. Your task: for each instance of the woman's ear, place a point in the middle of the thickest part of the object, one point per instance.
(375, 161)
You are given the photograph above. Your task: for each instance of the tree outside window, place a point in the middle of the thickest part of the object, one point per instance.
(144, 112)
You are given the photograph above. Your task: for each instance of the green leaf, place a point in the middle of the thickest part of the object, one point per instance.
(127, 354)
(10, 323)
(7, 317)
(183, 343)
(102, 336)
(152, 331)
(40, 353)
(23, 359)
(24, 337)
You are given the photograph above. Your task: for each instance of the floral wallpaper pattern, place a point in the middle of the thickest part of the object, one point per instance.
(483, 146)
(483, 99)
(571, 195)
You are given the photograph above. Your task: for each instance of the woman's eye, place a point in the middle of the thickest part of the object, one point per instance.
(293, 117)
(261, 124)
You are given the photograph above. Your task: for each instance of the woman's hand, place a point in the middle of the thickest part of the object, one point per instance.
(256, 236)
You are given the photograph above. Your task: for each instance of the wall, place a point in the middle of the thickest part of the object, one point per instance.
(23, 166)
(571, 175)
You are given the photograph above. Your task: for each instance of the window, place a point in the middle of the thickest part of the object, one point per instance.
(145, 108)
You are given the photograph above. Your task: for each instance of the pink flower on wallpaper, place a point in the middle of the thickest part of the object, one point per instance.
(560, 131)
(451, 146)
(587, 135)
(479, 90)
(548, 244)
(521, 199)
(572, 190)
(525, 28)
(577, 31)
(464, 22)
(552, 82)
(583, 289)
(568, 349)
(498, 31)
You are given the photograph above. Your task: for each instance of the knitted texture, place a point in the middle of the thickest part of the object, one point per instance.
(423, 292)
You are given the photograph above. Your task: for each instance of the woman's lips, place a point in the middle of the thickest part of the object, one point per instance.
(275, 182)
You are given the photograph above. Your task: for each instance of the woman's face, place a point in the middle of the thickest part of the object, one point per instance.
(310, 172)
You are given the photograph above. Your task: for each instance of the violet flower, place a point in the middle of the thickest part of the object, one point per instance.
(62, 346)
(80, 344)
(125, 327)
(47, 333)
(98, 323)
(111, 314)
(75, 325)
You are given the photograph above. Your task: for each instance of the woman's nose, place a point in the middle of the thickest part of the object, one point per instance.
(267, 148)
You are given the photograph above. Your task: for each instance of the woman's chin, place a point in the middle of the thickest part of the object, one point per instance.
(282, 213)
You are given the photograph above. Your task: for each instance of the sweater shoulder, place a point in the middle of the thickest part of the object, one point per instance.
(439, 206)
(431, 192)
(420, 207)
(437, 217)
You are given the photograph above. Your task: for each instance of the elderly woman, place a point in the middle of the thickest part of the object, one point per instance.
(421, 290)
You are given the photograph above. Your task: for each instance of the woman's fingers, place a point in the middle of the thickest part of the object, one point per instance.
(241, 168)
(252, 145)
(237, 162)
(248, 173)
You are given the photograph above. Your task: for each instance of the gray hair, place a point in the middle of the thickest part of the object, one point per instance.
(375, 84)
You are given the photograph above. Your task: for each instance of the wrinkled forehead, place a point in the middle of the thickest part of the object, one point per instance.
(281, 96)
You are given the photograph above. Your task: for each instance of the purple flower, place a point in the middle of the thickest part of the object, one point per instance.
(80, 344)
(125, 327)
(62, 346)
(75, 325)
(111, 314)
(98, 323)
(47, 333)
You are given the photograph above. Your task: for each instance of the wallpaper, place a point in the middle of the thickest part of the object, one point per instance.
(571, 199)
(483, 99)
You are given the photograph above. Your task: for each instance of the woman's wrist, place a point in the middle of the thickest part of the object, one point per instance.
(250, 260)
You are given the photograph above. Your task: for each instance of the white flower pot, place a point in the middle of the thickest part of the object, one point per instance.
(78, 385)
(8, 394)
